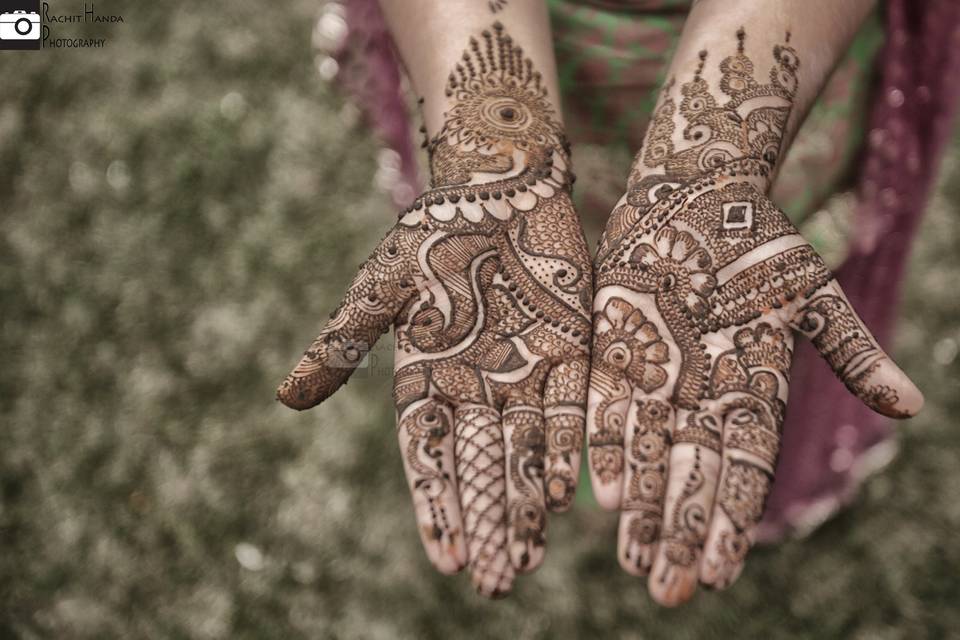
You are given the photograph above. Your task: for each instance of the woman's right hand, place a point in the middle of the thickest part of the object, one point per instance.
(487, 282)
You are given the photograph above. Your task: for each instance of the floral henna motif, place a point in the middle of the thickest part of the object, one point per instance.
(523, 432)
(487, 282)
(628, 353)
(649, 446)
(699, 278)
(425, 429)
(686, 527)
(848, 347)
(748, 384)
(565, 396)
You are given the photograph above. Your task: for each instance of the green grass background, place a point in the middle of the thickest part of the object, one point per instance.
(179, 211)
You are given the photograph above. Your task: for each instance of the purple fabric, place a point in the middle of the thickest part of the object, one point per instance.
(827, 429)
(370, 72)
(828, 432)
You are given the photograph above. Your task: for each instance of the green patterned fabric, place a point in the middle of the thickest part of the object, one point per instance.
(612, 59)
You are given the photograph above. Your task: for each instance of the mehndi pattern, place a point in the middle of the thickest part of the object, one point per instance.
(699, 279)
(487, 282)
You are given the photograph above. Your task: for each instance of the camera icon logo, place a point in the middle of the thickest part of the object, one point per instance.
(347, 354)
(20, 24)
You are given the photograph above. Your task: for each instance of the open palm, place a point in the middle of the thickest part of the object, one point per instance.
(700, 283)
(487, 282)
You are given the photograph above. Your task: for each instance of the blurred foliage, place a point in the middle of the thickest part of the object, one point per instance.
(179, 211)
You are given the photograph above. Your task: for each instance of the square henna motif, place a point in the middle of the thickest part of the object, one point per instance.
(737, 215)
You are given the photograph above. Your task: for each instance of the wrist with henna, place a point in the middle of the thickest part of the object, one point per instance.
(700, 278)
(487, 281)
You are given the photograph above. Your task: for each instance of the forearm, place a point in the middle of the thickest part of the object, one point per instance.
(787, 50)
(432, 36)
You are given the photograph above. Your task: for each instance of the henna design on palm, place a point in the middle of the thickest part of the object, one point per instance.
(700, 279)
(487, 282)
